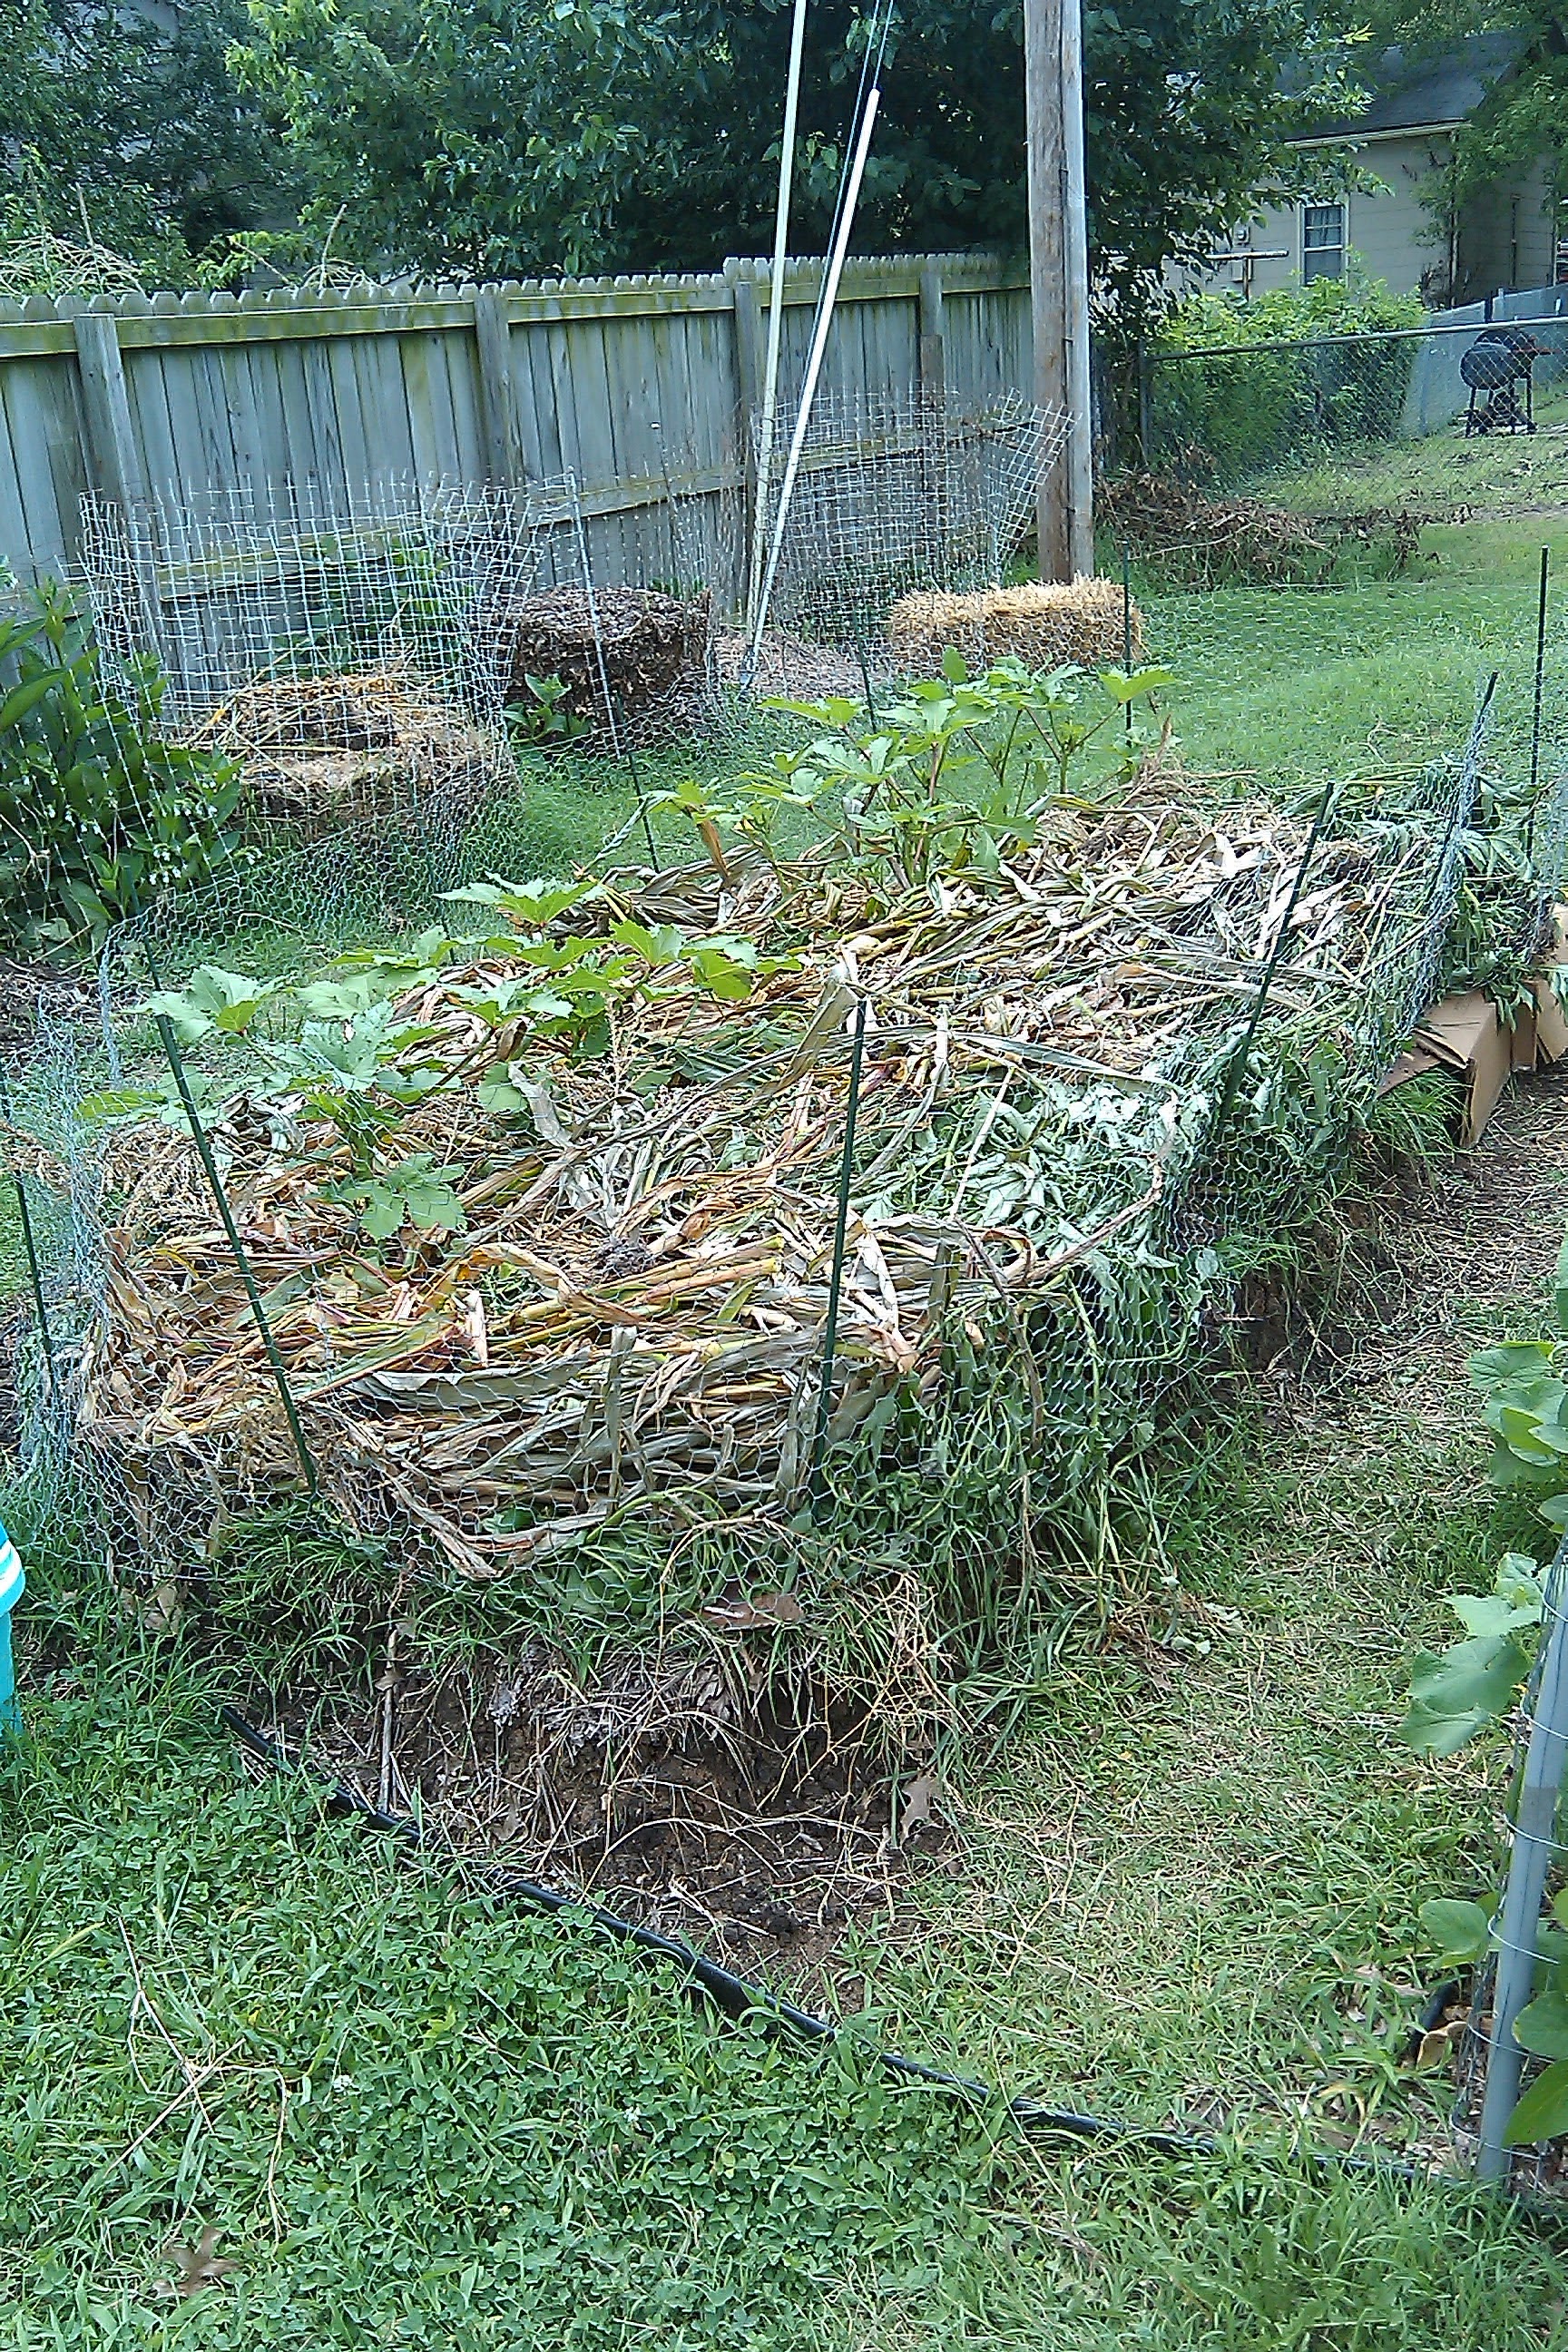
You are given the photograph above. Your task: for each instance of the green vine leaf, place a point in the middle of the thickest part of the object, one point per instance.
(415, 1192)
(1542, 2113)
(212, 1002)
(1460, 1931)
(1461, 1692)
(1543, 2026)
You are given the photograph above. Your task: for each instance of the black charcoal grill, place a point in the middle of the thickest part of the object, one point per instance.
(1499, 364)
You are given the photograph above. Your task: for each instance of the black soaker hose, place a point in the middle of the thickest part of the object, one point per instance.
(736, 1997)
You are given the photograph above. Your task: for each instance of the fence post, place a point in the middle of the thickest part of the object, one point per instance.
(110, 438)
(933, 344)
(1534, 1846)
(742, 286)
(492, 334)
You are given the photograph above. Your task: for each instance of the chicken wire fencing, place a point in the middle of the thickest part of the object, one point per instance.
(519, 1248)
(376, 662)
(893, 496)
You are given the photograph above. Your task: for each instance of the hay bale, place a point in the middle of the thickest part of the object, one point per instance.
(336, 752)
(1046, 623)
(651, 645)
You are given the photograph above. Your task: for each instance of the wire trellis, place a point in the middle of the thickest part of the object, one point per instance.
(901, 494)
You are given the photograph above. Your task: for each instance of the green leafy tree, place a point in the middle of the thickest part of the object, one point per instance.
(502, 136)
(1188, 121)
(1523, 116)
(126, 132)
(491, 137)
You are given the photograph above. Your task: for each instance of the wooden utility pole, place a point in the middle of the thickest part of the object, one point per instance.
(1058, 274)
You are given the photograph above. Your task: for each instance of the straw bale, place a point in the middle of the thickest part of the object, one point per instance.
(1045, 624)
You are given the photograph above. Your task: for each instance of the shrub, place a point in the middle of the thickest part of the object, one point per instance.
(100, 815)
(1244, 411)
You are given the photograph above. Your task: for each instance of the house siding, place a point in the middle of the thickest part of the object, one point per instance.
(1505, 241)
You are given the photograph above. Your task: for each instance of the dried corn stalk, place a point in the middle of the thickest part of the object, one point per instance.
(631, 1317)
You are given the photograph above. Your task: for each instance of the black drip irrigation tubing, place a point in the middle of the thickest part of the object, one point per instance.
(736, 1997)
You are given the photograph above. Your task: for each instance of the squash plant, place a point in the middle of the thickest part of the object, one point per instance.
(99, 813)
(952, 774)
(343, 1055)
(1523, 1387)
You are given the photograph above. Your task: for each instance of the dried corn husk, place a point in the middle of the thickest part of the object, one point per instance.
(633, 1316)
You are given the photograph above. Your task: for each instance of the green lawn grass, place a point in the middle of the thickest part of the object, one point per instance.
(413, 2116)
(1438, 473)
(1283, 688)
(1195, 1899)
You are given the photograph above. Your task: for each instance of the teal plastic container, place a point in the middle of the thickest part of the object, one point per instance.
(11, 1586)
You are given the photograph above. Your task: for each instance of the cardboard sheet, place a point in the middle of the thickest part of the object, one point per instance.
(1465, 1034)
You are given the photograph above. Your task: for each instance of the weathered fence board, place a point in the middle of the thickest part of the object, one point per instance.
(633, 383)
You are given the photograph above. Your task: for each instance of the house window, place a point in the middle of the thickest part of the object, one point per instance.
(1322, 241)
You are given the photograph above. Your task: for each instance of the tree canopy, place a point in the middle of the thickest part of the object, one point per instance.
(482, 137)
(519, 135)
(1524, 115)
(126, 132)
(513, 137)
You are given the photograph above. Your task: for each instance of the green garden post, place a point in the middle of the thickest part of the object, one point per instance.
(1535, 1848)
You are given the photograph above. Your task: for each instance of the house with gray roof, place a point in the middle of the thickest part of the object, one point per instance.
(1511, 236)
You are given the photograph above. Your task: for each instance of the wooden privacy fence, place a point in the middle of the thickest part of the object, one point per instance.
(641, 387)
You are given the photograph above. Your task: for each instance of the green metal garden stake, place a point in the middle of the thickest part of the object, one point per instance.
(1535, 1846)
(34, 1272)
(1126, 625)
(275, 1363)
(274, 1358)
(818, 1486)
(1237, 1063)
(1535, 719)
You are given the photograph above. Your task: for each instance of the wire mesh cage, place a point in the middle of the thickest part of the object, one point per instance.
(898, 495)
(1142, 1140)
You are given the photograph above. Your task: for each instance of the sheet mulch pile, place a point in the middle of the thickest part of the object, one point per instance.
(598, 1398)
(632, 1317)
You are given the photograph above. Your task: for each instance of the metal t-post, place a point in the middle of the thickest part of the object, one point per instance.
(1535, 1843)
(1535, 713)
(816, 1487)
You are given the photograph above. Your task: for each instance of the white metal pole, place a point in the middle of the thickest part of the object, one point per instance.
(814, 369)
(775, 313)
